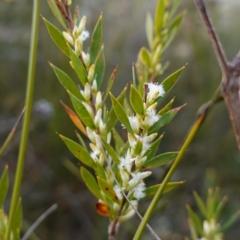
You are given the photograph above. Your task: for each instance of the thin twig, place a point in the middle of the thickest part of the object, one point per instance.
(11, 134)
(220, 54)
(39, 221)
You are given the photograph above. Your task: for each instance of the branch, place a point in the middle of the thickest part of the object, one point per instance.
(230, 74)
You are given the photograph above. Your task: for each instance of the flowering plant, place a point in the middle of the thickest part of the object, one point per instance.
(120, 167)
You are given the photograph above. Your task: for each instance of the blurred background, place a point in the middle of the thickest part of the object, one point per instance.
(212, 159)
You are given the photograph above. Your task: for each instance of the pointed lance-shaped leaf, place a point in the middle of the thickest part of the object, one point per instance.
(136, 100)
(165, 119)
(151, 191)
(159, 15)
(152, 150)
(4, 184)
(108, 190)
(174, 8)
(78, 67)
(100, 67)
(96, 41)
(110, 83)
(82, 112)
(17, 222)
(79, 152)
(121, 114)
(166, 108)
(149, 29)
(200, 204)
(57, 37)
(195, 220)
(193, 232)
(169, 82)
(112, 117)
(159, 160)
(100, 171)
(145, 57)
(90, 182)
(230, 221)
(75, 119)
(67, 82)
(56, 12)
(118, 141)
(110, 151)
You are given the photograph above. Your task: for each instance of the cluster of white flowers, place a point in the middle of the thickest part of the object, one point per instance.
(139, 143)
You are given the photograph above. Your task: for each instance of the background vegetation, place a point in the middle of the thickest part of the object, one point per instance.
(212, 159)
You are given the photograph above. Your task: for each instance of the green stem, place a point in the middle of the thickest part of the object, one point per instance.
(159, 193)
(27, 115)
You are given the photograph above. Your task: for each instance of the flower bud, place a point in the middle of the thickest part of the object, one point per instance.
(102, 127)
(68, 37)
(98, 102)
(78, 47)
(109, 136)
(82, 24)
(124, 176)
(89, 109)
(98, 117)
(86, 59)
(94, 86)
(101, 159)
(91, 73)
(91, 135)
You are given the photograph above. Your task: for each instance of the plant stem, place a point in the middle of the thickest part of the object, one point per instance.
(27, 115)
(159, 193)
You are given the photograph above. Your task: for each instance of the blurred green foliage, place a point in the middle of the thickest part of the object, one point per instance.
(212, 159)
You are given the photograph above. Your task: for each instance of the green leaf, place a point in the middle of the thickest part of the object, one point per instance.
(108, 190)
(151, 191)
(145, 57)
(121, 114)
(4, 184)
(112, 117)
(192, 229)
(17, 221)
(149, 29)
(136, 100)
(174, 8)
(57, 37)
(110, 83)
(165, 119)
(173, 29)
(100, 67)
(118, 141)
(195, 220)
(100, 171)
(166, 108)
(67, 82)
(56, 12)
(230, 221)
(138, 147)
(159, 160)
(169, 82)
(82, 112)
(110, 151)
(200, 204)
(96, 41)
(90, 182)
(78, 67)
(159, 14)
(79, 152)
(152, 150)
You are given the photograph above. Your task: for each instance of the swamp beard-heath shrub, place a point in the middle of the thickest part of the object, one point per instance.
(120, 167)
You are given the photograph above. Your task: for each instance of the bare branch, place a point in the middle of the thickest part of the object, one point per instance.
(220, 54)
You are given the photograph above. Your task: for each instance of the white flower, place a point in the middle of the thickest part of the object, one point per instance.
(139, 161)
(132, 140)
(134, 124)
(91, 135)
(95, 152)
(84, 35)
(118, 192)
(137, 178)
(150, 118)
(139, 191)
(126, 162)
(154, 91)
